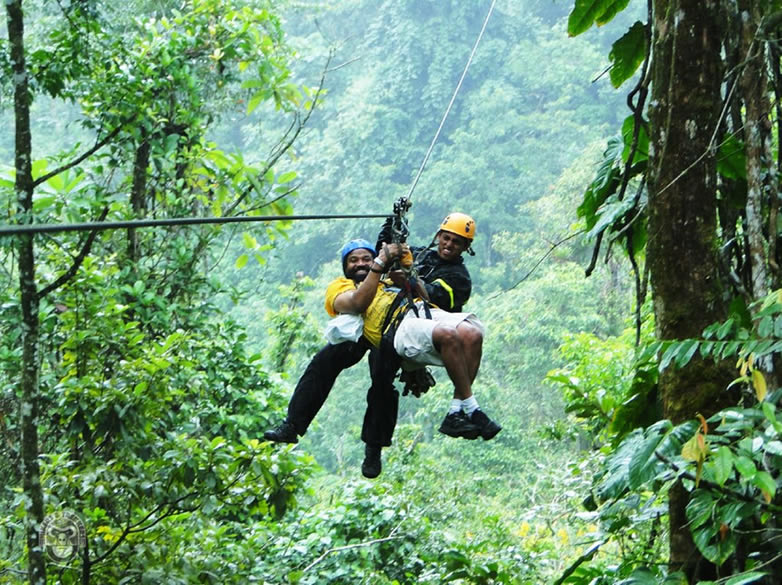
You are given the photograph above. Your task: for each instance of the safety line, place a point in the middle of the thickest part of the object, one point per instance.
(32, 228)
(450, 104)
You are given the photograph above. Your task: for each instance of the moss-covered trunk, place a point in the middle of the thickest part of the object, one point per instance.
(31, 479)
(682, 254)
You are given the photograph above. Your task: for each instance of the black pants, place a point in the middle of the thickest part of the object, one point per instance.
(382, 398)
(318, 379)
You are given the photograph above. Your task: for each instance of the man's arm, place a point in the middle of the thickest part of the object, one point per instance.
(357, 301)
(449, 289)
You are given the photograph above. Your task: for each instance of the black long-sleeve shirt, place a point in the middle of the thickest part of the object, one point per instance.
(448, 284)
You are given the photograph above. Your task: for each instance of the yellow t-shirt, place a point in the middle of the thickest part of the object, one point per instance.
(375, 313)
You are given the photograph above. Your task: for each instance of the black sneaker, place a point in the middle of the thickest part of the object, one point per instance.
(456, 424)
(488, 428)
(285, 433)
(372, 465)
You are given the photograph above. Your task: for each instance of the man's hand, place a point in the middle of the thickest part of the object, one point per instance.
(416, 382)
(397, 277)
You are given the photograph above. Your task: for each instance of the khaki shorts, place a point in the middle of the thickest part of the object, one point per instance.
(413, 339)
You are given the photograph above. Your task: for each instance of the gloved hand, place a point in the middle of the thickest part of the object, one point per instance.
(401, 205)
(416, 382)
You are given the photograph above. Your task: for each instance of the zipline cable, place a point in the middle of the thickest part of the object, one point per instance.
(41, 228)
(450, 104)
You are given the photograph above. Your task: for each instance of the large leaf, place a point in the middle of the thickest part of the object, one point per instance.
(731, 159)
(585, 13)
(609, 213)
(604, 184)
(644, 465)
(714, 544)
(642, 145)
(617, 477)
(628, 53)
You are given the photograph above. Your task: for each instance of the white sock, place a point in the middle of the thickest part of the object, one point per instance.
(456, 406)
(470, 405)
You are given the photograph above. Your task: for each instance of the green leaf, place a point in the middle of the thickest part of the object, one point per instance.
(617, 478)
(722, 463)
(604, 184)
(610, 212)
(746, 467)
(687, 349)
(644, 465)
(41, 203)
(745, 578)
(249, 241)
(642, 143)
(241, 261)
(773, 447)
(712, 545)
(628, 53)
(588, 12)
(286, 177)
(731, 160)
(700, 509)
(765, 483)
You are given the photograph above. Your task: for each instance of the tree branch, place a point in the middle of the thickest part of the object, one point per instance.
(285, 144)
(77, 262)
(538, 263)
(348, 547)
(95, 147)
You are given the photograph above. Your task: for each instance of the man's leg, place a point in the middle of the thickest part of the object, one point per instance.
(314, 387)
(472, 342)
(460, 348)
(382, 407)
(460, 365)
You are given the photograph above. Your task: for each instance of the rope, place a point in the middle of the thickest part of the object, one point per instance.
(15, 230)
(450, 104)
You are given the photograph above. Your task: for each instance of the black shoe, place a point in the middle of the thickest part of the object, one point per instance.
(285, 433)
(456, 424)
(488, 428)
(372, 465)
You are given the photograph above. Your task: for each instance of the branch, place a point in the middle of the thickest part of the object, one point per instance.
(295, 128)
(587, 556)
(538, 263)
(348, 547)
(706, 484)
(96, 147)
(77, 262)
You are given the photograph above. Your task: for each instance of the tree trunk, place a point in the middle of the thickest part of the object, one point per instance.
(753, 84)
(31, 477)
(683, 253)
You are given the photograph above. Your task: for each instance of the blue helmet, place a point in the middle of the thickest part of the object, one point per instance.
(358, 244)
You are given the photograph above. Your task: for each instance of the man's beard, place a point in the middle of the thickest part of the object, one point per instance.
(358, 274)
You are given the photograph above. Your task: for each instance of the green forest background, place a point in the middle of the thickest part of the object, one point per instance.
(166, 352)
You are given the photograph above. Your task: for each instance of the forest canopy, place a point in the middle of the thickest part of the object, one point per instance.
(620, 160)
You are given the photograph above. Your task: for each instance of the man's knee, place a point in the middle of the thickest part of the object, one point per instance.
(445, 336)
(471, 335)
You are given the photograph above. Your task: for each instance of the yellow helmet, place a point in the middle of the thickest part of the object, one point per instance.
(460, 224)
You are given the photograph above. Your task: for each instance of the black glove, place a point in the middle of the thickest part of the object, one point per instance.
(416, 382)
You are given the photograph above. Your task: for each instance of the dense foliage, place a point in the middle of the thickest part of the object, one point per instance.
(162, 354)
